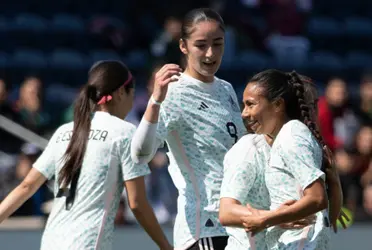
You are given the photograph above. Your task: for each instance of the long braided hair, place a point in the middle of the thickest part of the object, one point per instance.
(294, 89)
(299, 89)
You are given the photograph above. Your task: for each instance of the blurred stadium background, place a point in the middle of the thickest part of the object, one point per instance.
(46, 48)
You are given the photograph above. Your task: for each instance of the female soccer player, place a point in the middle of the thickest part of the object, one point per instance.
(198, 115)
(276, 107)
(244, 183)
(90, 158)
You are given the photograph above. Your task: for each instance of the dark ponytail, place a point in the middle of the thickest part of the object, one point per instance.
(305, 116)
(104, 78)
(74, 155)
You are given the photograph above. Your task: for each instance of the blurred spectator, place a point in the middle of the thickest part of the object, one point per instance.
(245, 19)
(9, 146)
(110, 33)
(166, 45)
(286, 20)
(12, 144)
(353, 164)
(29, 105)
(337, 121)
(364, 109)
(367, 195)
(29, 154)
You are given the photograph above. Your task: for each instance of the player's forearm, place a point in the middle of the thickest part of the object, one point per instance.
(306, 206)
(152, 113)
(144, 143)
(146, 217)
(230, 214)
(15, 199)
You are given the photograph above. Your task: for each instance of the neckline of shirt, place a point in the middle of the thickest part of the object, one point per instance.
(199, 83)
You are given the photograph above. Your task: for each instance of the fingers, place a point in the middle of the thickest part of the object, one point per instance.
(169, 80)
(334, 226)
(344, 226)
(166, 68)
(168, 73)
(344, 216)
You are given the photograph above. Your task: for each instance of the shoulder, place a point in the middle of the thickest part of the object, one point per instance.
(225, 83)
(175, 91)
(244, 149)
(296, 134)
(124, 128)
(295, 128)
(64, 127)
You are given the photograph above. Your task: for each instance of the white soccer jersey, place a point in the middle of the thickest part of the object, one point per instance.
(200, 122)
(244, 181)
(107, 164)
(295, 163)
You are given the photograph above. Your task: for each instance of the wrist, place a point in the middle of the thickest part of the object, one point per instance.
(154, 101)
(266, 220)
(165, 245)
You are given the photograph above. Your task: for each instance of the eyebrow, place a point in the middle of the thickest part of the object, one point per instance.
(216, 39)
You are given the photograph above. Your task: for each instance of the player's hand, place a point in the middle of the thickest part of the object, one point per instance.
(253, 224)
(341, 219)
(300, 223)
(167, 74)
(253, 210)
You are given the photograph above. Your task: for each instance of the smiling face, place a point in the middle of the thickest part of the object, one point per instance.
(259, 114)
(204, 50)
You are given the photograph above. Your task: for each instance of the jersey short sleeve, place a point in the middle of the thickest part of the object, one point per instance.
(130, 170)
(301, 153)
(170, 112)
(46, 163)
(239, 175)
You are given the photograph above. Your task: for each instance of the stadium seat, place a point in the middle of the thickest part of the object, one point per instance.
(4, 24)
(5, 42)
(98, 55)
(357, 26)
(325, 60)
(29, 58)
(324, 27)
(67, 23)
(67, 59)
(342, 9)
(67, 66)
(136, 59)
(356, 59)
(252, 60)
(28, 22)
(4, 60)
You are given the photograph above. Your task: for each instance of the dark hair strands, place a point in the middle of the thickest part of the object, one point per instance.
(299, 89)
(291, 87)
(103, 78)
(196, 16)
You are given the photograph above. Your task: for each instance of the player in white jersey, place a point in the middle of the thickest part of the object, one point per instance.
(198, 115)
(90, 158)
(244, 183)
(278, 109)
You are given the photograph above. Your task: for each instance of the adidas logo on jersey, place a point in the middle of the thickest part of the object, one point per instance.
(209, 223)
(203, 106)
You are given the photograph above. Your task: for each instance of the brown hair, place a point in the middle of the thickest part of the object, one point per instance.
(196, 16)
(292, 88)
(104, 78)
